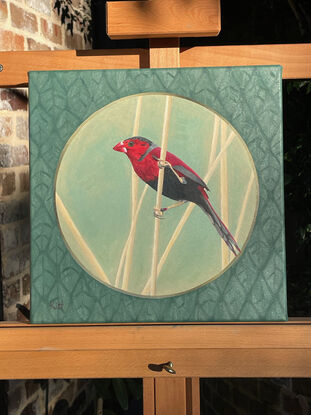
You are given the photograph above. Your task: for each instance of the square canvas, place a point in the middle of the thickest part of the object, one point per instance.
(157, 195)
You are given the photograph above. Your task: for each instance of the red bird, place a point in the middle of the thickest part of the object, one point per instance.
(180, 181)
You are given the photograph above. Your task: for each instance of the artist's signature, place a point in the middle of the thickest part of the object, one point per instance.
(55, 305)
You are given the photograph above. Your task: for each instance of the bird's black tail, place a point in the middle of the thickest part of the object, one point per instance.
(219, 225)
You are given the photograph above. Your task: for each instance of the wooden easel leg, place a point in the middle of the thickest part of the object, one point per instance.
(148, 396)
(193, 396)
(171, 396)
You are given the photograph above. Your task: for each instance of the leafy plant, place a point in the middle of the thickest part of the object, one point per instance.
(297, 167)
(297, 158)
(118, 395)
(79, 15)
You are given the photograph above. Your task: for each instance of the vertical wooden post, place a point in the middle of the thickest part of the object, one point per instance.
(193, 396)
(169, 395)
(164, 53)
(148, 396)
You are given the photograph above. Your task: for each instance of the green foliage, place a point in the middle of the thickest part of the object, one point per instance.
(117, 394)
(121, 393)
(297, 157)
(70, 15)
(297, 167)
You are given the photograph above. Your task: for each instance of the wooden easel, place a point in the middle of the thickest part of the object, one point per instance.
(126, 350)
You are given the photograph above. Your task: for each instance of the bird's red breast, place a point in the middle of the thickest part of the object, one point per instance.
(147, 168)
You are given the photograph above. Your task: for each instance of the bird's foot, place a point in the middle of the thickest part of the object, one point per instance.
(158, 213)
(163, 163)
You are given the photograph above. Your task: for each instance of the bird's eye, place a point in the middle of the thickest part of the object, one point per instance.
(131, 143)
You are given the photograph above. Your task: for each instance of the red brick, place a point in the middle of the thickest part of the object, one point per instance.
(20, 156)
(5, 126)
(14, 210)
(11, 156)
(13, 100)
(74, 42)
(43, 6)
(11, 41)
(3, 10)
(51, 31)
(22, 19)
(33, 45)
(24, 182)
(7, 183)
(22, 128)
(6, 39)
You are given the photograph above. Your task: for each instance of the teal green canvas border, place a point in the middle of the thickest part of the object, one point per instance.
(252, 289)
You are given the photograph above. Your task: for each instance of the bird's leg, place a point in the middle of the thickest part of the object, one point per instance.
(158, 213)
(174, 205)
(163, 163)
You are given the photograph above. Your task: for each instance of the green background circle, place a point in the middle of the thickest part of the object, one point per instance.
(93, 186)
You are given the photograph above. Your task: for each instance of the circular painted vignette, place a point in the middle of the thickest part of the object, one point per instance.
(223, 270)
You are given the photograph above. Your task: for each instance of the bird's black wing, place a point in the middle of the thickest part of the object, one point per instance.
(187, 173)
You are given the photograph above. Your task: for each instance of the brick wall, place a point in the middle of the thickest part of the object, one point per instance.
(256, 396)
(24, 25)
(34, 25)
(27, 25)
(14, 200)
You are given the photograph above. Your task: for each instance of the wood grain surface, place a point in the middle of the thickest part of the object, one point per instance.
(164, 53)
(290, 335)
(193, 396)
(16, 65)
(295, 59)
(204, 350)
(49, 364)
(148, 396)
(170, 396)
(158, 18)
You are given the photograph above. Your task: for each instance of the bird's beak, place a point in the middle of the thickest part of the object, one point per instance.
(120, 147)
